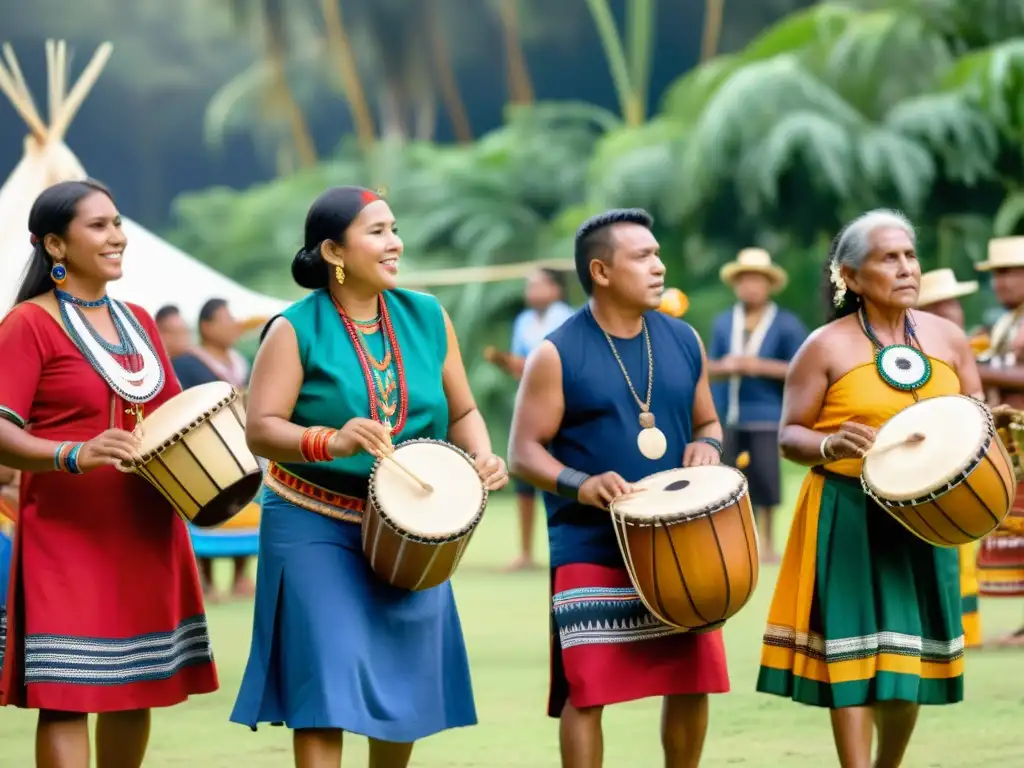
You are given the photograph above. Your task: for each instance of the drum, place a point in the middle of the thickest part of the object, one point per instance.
(413, 538)
(952, 488)
(690, 544)
(194, 453)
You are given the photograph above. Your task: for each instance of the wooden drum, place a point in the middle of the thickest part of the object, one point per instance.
(955, 486)
(414, 538)
(690, 544)
(194, 452)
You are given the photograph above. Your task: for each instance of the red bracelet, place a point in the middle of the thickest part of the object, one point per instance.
(315, 445)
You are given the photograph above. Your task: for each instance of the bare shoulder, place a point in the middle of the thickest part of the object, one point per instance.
(280, 334)
(835, 348)
(544, 361)
(940, 338)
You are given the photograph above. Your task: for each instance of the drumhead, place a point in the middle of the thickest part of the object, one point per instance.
(955, 429)
(181, 411)
(679, 493)
(457, 498)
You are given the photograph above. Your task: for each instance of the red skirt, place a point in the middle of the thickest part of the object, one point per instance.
(607, 648)
(1001, 555)
(104, 611)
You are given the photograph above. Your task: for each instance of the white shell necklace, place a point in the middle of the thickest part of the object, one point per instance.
(133, 386)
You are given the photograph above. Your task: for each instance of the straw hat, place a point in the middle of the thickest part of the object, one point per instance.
(940, 285)
(1003, 253)
(755, 260)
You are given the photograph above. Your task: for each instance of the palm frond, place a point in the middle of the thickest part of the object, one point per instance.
(745, 109)
(955, 130)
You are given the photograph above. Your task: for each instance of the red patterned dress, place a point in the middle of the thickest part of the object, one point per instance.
(104, 608)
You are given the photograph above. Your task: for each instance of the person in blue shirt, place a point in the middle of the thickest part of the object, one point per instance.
(546, 309)
(751, 346)
(591, 396)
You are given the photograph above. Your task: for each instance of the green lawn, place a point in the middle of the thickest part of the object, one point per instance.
(505, 619)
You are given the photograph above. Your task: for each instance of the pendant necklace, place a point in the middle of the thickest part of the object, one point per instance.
(901, 366)
(651, 440)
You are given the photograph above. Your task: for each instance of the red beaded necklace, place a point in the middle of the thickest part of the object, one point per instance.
(364, 363)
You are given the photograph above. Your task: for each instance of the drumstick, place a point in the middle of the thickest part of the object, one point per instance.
(416, 478)
(917, 437)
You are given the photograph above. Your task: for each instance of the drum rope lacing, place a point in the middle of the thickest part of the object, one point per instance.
(136, 387)
(901, 366)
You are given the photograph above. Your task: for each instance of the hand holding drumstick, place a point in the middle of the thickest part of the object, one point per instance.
(374, 438)
(855, 441)
(852, 441)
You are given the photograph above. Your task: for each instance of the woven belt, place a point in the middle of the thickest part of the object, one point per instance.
(312, 497)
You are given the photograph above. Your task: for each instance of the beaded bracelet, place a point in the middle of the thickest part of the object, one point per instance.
(712, 442)
(315, 445)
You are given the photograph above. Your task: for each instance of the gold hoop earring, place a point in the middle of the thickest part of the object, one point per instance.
(339, 274)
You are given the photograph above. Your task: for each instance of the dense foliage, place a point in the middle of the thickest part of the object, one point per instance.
(915, 104)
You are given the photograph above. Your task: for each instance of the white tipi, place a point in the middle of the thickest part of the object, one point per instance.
(156, 273)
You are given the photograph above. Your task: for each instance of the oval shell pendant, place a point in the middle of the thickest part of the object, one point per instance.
(652, 443)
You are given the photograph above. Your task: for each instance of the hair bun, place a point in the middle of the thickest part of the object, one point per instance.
(309, 270)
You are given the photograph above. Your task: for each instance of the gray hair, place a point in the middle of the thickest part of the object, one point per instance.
(854, 241)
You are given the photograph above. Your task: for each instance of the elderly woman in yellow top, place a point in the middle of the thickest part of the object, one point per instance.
(866, 617)
(940, 294)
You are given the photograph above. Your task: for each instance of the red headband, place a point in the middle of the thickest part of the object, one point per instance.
(34, 240)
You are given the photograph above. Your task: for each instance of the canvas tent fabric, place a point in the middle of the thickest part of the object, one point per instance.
(155, 272)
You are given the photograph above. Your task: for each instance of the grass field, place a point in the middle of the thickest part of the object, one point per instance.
(505, 621)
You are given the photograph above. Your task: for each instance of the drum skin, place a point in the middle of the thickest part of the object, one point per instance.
(693, 572)
(972, 508)
(422, 561)
(406, 563)
(205, 469)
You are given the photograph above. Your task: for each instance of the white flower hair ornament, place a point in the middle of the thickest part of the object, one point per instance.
(836, 277)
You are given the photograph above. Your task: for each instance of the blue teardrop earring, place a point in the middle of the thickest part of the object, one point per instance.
(58, 273)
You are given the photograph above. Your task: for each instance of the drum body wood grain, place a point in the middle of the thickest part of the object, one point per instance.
(194, 452)
(954, 487)
(690, 545)
(414, 539)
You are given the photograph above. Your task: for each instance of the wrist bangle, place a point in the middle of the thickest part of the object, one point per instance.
(315, 445)
(826, 454)
(72, 459)
(59, 456)
(568, 483)
(65, 458)
(714, 443)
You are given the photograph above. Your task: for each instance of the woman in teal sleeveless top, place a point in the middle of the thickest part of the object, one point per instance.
(334, 648)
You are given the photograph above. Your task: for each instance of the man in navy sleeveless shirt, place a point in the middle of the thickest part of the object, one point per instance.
(575, 436)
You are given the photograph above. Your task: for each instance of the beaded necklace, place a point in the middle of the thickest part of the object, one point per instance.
(133, 386)
(385, 378)
(901, 366)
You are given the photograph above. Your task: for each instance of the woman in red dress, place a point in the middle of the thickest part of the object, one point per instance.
(105, 613)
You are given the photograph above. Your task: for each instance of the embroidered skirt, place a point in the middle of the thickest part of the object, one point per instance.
(863, 610)
(607, 648)
(104, 609)
(333, 646)
(969, 595)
